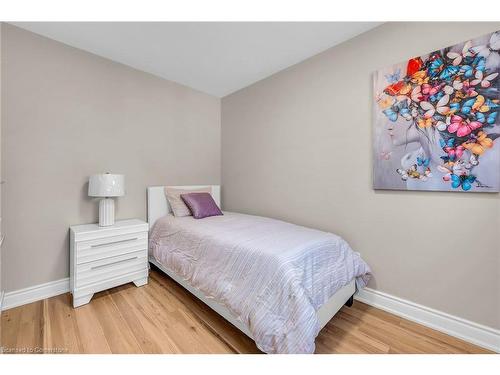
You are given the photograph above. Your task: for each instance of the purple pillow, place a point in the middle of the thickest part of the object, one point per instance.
(201, 205)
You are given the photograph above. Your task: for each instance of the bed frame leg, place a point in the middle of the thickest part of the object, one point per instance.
(350, 301)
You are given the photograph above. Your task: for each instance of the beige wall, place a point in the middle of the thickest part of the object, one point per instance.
(68, 114)
(297, 146)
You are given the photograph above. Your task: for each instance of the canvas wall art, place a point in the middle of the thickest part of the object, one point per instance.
(436, 123)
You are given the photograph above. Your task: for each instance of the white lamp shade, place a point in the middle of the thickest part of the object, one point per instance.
(106, 185)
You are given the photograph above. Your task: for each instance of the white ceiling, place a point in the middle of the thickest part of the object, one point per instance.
(214, 57)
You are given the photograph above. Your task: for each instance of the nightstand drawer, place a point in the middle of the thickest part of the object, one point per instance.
(93, 250)
(108, 268)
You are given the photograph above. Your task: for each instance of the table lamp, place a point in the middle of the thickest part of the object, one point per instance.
(106, 186)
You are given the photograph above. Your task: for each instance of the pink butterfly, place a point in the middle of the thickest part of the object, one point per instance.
(484, 81)
(431, 90)
(469, 91)
(385, 155)
(453, 152)
(462, 127)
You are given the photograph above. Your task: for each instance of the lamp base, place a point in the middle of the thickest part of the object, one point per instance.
(106, 212)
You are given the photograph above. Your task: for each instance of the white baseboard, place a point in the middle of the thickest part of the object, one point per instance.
(1, 299)
(35, 293)
(466, 330)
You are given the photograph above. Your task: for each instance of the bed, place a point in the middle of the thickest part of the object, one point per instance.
(278, 295)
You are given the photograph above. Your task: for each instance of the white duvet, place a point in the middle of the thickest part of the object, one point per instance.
(273, 276)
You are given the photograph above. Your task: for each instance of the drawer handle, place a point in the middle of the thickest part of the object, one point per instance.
(112, 264)
(114, 242)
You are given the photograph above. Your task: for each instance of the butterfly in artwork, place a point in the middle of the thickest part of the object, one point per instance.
(484, 81)
(398, 88)
(450, 168)
(489, 119)
(473, 161)
(463, 180)
(478, 103)
(442, 125)
(385, 155)
(449, 143)
(454, 152)
(425, 176)
(448, 72)
(393, 77)
(405, 112)
(456, 86)
(428, 89)
(422, 161)
(447, 162)
(391, 113)
(457, 174)
(385, 101)
(490, 53)
(479, 63)
(401, 87)
(403, 173)
(399, 108)
(441, 107)
(408, 173)
(462, 127)
(490, 105)
(436, 97)
(479, 144)
(436, 65)
(446, 171)
(451, 150)
(468, 89)
(420, 77)
(467, 71)
(424, 123)
(414, 66)
(458, 57)
(416, 94)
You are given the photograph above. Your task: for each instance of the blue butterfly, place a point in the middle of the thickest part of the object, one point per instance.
(493, 106)
(391, 113)
(490, 119)
(463, 180)
(449, 143)
(449, 72)
(423, 161)
(400, 108)
(435, 67)
(467, 71)
(406, 113)
(480, 63)
(436, 97)
(454, 107)
(467, 106)
(394, 77)
(446, 159)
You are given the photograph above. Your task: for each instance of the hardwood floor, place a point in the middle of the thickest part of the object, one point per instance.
(162, 317)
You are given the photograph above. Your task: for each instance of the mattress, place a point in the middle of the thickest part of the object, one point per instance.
(271, 275)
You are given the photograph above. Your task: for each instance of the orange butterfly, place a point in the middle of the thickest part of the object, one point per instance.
(480, 145)
(420, 77)
(424, 123)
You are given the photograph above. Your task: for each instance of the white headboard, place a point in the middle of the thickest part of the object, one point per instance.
(158, 205)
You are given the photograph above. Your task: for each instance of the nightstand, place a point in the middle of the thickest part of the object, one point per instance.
(105, 257)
